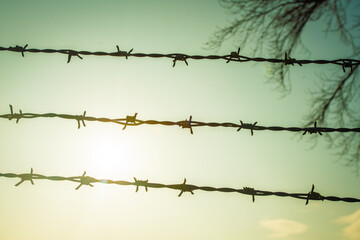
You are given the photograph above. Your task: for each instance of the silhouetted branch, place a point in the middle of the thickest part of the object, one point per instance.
(335, 103)
(278, 25)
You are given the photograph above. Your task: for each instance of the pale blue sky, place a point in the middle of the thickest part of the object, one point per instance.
(114, 87)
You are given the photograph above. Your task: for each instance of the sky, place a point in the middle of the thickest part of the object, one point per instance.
(210, 91)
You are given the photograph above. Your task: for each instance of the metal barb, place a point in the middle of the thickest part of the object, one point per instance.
(312, 130)
(130, 119)
(347, 64)
(141, 183)
(85, 180)
(82, 119)
(20, 49)
(187, 124)
(18, 116)
(73, 53)
(185, 188)
(123, 53)
(290, 61)
(234, 55)
(13, 115)
(26, 177)
(250, 191)
(313, 195)
(11, 112)
(250, 126)
(180, 57)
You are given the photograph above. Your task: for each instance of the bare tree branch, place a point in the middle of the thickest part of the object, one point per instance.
(278, 25)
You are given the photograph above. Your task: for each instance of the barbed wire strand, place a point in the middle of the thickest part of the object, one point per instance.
(131, 121)
(84, 180)
(232, 57)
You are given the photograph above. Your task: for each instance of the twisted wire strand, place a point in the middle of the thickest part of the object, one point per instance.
(233, 56)
(183, 187)
(187, 124)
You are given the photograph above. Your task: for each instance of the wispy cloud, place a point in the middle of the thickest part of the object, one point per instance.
(283, 227)
(352, 230)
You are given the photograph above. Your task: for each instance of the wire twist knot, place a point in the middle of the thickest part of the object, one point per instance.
(185, 188)
(81, 118)
(180, 57)
(250, 191)
(234, 55)
(250, 126)
(13, 115)
(130, 119)
(73, 53)
(313, 195)
(20, 49)
(347, 64)
(141, 183)
(26, 177)
(85, 180)
(187, 124)
(312, 130)
(290, 61)
(123, 53)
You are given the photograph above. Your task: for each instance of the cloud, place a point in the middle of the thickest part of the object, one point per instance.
(352, 230)
(283, 227)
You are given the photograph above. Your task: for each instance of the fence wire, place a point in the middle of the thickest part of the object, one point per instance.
(131, 121)
(232, 57)
(183, 187)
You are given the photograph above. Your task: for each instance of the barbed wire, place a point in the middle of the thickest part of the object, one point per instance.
(232, 57)
(187, 124)
(84, 180)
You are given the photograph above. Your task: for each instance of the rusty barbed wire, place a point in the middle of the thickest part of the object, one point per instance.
(84, 180)
(232, 57)
(131, 121)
